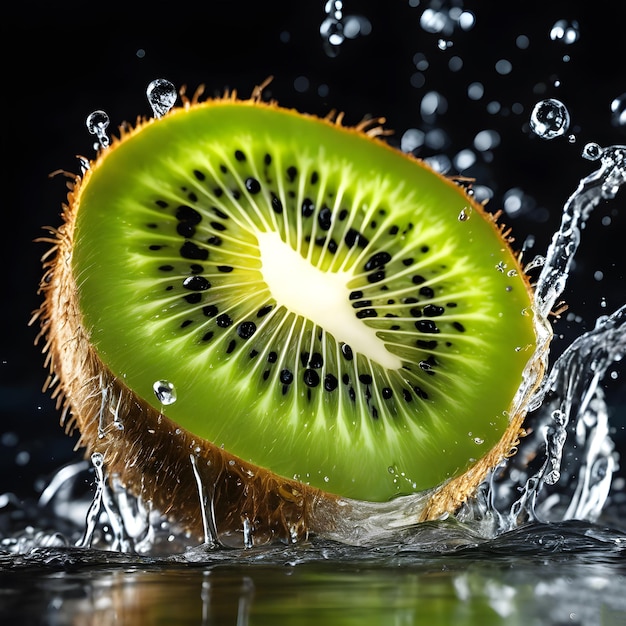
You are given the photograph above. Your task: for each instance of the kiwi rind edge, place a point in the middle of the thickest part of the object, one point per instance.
(150, 456)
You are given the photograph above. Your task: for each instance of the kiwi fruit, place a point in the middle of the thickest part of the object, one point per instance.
(262, 318)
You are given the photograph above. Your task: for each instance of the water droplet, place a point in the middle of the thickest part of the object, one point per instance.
(566, 31)
(504, 67)
(435, 21)
(439, 162)
(161, 95)
(592, 152)
(444, 44)
(411, 140)
(493, 107)
(331, 31)
(97, 123)
(511, 273)
(97, 460)
(420, 61)
(466, 20)
(465, 214)
(455, 63)
(482, 194)
(165, 392)
(336, 27)
(301, 84)
(478, 440)
(475, 91)
(432, 104)
(618, 111)
(486, 140)
(549, 119)
(552, 477)
(501, 266)
(436, 139)
(334, 8)
(356, 25)
(559, 417)
(464, 160)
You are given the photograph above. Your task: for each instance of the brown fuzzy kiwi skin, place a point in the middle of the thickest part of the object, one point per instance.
(151, 456)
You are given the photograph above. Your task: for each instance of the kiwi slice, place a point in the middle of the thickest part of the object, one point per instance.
(281, 314)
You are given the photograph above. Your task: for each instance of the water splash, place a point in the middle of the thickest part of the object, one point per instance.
(569, 406)
(103, 502)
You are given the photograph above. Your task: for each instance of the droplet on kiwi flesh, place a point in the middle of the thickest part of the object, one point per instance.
(311, 294)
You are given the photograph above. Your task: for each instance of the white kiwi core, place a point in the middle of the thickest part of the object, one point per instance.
(322, 297)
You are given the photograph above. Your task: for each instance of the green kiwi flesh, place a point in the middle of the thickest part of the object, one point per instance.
(316, 298)
(267, 312)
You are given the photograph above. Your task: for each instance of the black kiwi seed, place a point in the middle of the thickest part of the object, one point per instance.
(223, 320)
(246, 329)
(196, 283)
(311, 378)
(189, 250)
(210, 310)
(286, 377)
(330, 382)
(253, 185)
(324, 218)
(308, 208)
(346, 350)
(377, 260)
(185, 213)
(292, 173)
(277, 205)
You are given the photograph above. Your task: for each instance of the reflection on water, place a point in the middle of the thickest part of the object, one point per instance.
(569, 573)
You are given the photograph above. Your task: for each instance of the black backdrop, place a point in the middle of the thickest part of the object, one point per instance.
(62, 61)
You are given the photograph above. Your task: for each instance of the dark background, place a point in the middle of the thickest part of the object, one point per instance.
(61, 62)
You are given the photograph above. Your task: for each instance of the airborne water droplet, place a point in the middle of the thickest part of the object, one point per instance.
(165, 392)
(161, 95)
(592, 152)
(549, 119)
(97, 123)
(618, 110)
(565, 31)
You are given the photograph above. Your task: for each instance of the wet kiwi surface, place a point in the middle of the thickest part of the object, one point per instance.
(281, 310)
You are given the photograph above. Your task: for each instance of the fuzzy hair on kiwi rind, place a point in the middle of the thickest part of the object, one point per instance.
(188, 478)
